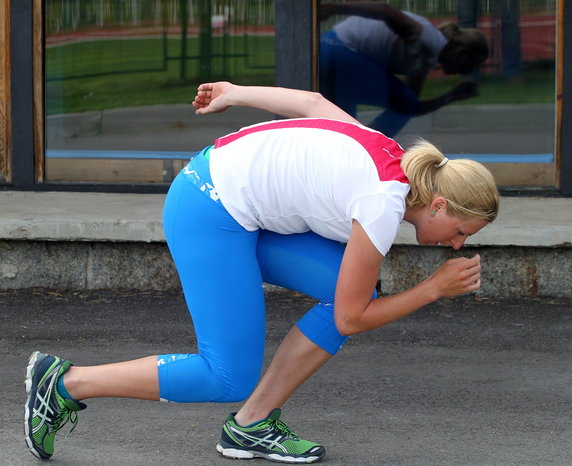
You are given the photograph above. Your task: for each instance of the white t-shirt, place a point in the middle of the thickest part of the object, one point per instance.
(299, 175)
(376, 41)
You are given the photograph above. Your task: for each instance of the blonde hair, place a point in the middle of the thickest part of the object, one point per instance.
(467, 185)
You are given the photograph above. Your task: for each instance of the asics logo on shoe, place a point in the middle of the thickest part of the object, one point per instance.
(267, 438)
(44, 412)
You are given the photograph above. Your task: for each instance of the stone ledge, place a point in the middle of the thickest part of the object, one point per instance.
(81, 265)
(102, 217)
(62, 216)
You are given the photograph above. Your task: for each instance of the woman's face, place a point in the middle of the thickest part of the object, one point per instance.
(435, 226)
(456, 59)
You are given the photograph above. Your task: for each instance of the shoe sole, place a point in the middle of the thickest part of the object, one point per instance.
(238, 454)
(31, 394)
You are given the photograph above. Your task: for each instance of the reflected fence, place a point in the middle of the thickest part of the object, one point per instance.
(113, 37)
(450, 7)
(71, 15)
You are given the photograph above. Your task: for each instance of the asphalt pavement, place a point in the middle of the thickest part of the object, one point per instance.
(465, 381)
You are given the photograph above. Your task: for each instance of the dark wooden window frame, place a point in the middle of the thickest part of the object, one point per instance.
(5, 121)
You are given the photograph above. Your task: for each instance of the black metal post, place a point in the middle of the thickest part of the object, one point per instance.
(22, 93)
(184, 14)
(294, 31)
(566, 122)
(205, 41)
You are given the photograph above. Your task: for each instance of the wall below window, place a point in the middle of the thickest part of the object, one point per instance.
(507, 272)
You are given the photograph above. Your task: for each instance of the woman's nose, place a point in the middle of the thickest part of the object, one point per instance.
(458, 242)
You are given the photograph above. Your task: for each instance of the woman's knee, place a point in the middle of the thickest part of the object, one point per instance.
(191, 378)
(240, 385)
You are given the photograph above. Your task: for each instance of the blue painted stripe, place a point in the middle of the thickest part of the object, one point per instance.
(171, 155)
(505, 158)
(118, 154)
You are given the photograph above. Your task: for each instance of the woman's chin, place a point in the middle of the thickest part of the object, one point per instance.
(427, 243)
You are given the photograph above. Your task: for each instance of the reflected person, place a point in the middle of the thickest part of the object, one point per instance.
(381, 56)
(508, 11)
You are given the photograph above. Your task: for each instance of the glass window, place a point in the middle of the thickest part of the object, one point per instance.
(120, 76)
(4, 95)
(476, 78)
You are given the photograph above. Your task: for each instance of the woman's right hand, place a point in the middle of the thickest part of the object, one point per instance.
(457, 276)
(211, 97)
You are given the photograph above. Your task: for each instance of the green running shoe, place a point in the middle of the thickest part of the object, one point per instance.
(271, 439)
(46, 411)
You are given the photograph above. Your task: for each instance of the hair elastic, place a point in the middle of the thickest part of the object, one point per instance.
(442, 162)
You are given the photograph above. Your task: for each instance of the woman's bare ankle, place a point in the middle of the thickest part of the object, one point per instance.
(245, 418)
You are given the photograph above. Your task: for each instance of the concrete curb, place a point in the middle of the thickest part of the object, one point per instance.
(83, 265)
(115, 241)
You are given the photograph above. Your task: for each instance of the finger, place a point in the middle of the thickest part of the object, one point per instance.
(198, 105)
(475, 266)
(205, 87)
(202, 100)
(474, 286)
(472, 279)
(469, 276)
(476, 259)
(456, 260)
(472, 271)
(472, 265)
(468, 286)
(204, 95)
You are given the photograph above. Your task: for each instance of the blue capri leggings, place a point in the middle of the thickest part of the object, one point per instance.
(222, 267)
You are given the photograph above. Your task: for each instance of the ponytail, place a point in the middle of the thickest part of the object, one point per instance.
(467, 185)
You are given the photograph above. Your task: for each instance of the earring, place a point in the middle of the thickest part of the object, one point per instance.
(432, 213)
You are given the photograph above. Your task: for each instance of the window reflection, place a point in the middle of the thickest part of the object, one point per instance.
(121, 74)
(474, 77)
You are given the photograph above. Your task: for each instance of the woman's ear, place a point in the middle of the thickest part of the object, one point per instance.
(439, 204)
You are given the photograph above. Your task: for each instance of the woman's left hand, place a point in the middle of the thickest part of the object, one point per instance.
(457, 276)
